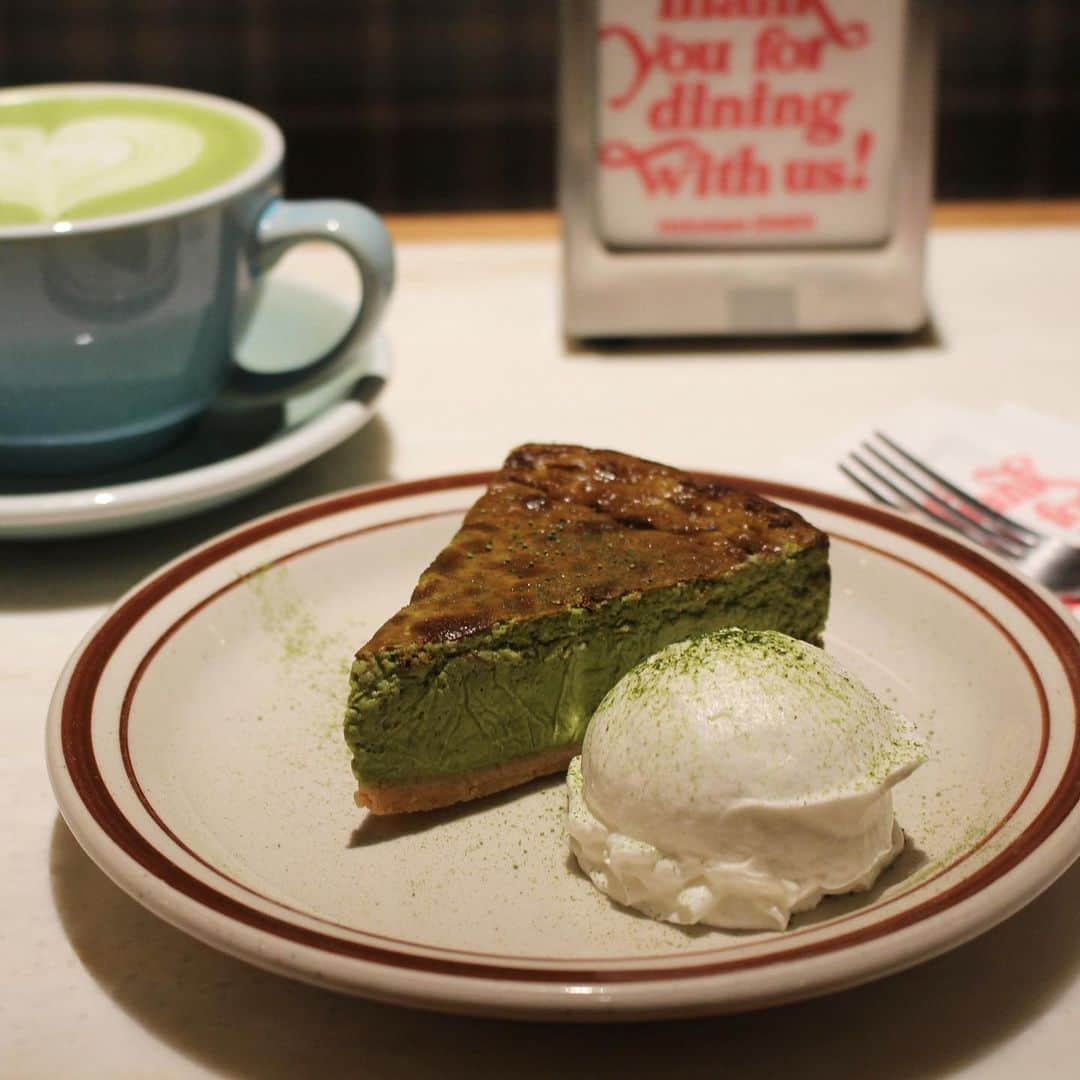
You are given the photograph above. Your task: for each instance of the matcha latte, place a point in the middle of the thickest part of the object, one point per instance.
(79, 153)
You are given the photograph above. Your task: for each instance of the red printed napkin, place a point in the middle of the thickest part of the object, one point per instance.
(1021, 462)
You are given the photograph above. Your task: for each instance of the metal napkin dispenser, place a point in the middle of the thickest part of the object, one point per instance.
(745, 167)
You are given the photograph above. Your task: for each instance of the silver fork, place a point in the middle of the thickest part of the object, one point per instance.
(894, 476)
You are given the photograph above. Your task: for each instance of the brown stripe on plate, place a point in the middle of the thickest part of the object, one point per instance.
(77, 742)
(144, 663)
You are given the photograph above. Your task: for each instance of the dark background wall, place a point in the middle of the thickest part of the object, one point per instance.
(449, 104)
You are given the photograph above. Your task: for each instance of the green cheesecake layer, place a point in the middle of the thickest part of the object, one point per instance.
(519, 687)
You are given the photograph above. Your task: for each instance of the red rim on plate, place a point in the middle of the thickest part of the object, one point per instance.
(72, 720)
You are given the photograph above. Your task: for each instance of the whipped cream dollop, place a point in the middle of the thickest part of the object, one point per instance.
(736, 778)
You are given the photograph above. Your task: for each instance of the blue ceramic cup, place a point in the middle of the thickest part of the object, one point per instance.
(117, 325)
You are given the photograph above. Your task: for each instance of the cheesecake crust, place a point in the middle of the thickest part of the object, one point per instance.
(445, 791)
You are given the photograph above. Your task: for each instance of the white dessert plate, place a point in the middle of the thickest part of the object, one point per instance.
(224, 455)
(194, 744)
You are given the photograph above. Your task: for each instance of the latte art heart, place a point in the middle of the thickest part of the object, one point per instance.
(53, 172)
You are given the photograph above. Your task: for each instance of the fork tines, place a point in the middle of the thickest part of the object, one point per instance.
(897, 478)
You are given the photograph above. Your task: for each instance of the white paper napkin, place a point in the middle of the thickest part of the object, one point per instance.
(1021, 462)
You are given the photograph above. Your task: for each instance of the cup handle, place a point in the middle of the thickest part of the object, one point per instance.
(362, 235)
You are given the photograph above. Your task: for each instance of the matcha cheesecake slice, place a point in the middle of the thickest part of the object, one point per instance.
(569, 570)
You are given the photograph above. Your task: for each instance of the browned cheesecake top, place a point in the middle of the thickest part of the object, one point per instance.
(564, 526)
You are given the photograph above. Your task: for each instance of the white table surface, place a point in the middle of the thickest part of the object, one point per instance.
(95, 986)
